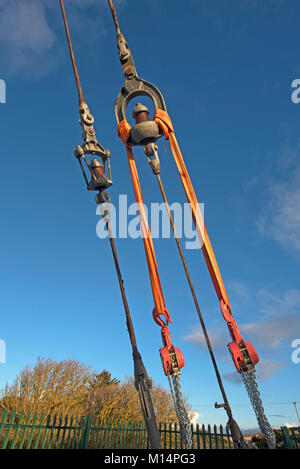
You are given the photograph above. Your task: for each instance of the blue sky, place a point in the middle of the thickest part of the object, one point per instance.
(225, 70)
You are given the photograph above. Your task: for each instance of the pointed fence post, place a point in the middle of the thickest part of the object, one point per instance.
(286, 438)
(86, 432)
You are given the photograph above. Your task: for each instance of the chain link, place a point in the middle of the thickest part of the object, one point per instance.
(182, 415)
(254, 395)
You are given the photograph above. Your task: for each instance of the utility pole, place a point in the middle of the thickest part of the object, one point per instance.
(296, 410)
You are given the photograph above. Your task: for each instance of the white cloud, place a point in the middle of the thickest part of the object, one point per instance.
(240, 290)
(194, 417)
(268, 333)
(24, 36)
(265, 370)
(276, 304)
(280, 218)
(279, 323)
(278, 326)
(23, 24)
(31, 32)
(272, 332)
(291, 425)
(217, 338)
(233, 377)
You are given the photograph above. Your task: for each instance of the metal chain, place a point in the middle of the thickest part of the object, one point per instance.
(254, 395)
(182, 415)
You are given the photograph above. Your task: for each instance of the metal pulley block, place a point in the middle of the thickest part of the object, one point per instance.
(243, 355)
(171, 357)
(242, 352)
(172, 360)
(91, 146)
(144, 131)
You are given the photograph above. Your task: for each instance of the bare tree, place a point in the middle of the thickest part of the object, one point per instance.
(70, 387)
(121, 401)
(48, 387)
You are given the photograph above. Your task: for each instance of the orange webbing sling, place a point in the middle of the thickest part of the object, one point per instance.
(163, 120)
(123, 132)
(171, 357)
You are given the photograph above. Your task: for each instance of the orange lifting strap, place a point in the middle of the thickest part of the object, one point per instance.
(237, 347)
(163, 120)
(159, 302)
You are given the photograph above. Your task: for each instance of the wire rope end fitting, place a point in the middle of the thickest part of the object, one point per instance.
(150, 151)
(124, 52)
(102, 197)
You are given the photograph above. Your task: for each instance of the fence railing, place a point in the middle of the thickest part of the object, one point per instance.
(291, 437)
(33, 431)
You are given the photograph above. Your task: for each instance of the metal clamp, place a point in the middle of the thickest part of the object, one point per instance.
(91, 146)
(152, 157)
(90, 143)
(133, 86)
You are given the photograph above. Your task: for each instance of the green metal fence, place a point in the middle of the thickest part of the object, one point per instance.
(33, 431)
(291, 437)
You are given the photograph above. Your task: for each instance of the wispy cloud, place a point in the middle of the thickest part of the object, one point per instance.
(276, 304)
(278, 325)
(291, 425)
(30, 32)
(239, 290)
(272, 332)
(280, 218)
(265, 370)
(217, 338)
(25, 36)
(280, 320)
